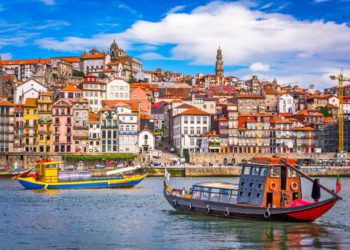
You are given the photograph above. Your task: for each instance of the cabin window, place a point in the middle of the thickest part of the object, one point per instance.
(292, 173)
(249, 194)
(205, 194)
(255, 171)
(251, 184)
(215, 194)
(242, 183)
(260, 186)
(50, 166)
(258, 195)
(225, 195)
(263, 171)
(275, 172)
(246, 170)
(196, 194)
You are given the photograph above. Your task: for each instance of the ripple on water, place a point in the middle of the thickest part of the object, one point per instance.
(140, 218)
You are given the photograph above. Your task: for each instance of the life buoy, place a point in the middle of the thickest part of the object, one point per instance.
(294, 186)
(207, 209)
(227, 212)
(273, 186)
(267, 213)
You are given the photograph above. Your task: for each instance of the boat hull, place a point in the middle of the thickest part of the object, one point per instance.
(30, 183)
(307, 213)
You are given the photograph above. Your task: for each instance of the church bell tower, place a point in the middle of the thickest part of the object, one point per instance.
(219, 67)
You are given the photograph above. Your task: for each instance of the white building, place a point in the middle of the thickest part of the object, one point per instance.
(94, 91)
(118, 89)
(286, 104)
(334, 101)
(188, 130)
(28, 89)
(94, 133)
(146, 141)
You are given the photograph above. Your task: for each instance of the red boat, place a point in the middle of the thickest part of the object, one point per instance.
(8, 174)
(269, 189)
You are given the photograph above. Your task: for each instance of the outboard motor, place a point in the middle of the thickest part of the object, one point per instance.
(316, 190)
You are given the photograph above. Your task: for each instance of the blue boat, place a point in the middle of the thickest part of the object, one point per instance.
(48, 176)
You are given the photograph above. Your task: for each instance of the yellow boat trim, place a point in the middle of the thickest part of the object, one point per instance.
(126, 179)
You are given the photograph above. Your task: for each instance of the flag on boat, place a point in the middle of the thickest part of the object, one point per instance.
(166, 175)
(338, 185)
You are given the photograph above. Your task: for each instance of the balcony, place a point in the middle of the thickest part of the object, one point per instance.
(128, 132)
(45, 121)
(80, 127)
(80, 137)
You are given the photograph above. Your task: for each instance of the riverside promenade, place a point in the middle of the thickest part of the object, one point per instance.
(232, 171)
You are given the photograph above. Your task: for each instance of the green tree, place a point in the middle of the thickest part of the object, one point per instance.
(325, 111)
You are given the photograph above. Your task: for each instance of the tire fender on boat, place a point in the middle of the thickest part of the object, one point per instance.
(207, 209)
(294, 186)
(267, 213)
(227, 212)
(190, 206)
(273, 186)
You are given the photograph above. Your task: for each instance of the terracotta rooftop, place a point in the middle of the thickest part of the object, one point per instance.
(194, 111)
(70, 87)
(94, 56)
(305, 128)
(31, 102)
(5, 103)
(94, 117)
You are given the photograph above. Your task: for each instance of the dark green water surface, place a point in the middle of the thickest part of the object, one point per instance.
(140, 218)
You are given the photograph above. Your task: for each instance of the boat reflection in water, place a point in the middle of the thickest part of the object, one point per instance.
(247, 234)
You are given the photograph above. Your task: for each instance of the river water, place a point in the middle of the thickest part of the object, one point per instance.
(140, 218)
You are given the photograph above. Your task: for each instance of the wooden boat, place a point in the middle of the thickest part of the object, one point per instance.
(8, 174)
(48, 176)
(269, 189)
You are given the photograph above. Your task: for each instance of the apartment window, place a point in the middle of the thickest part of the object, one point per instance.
(192, 142)
(198, 119)
(192, 131)
(192, 119)
(204, 120)
(186, 130)
(186, 119)
(198, 131)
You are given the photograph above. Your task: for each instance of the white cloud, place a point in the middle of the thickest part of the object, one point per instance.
(259, 67)
(153, 56)
(6, 56)
(129, 9)
(175, 9)
(48, 2)
(56, 24)
(294, 47)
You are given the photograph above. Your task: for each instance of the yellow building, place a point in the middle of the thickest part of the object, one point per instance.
(30, 116)
(44, 129)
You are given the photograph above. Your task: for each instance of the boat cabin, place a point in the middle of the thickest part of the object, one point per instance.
(267, 182)
(47, 171)
(218, 192)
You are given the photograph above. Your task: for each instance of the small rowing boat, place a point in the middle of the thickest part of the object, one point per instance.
(48, 176)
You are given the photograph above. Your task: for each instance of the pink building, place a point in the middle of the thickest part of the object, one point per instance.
(63, 126)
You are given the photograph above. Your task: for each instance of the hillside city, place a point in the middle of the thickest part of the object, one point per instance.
(104, 102)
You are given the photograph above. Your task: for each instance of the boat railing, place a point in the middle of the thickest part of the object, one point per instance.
(95, 178)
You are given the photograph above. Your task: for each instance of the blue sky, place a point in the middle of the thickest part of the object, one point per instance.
(294, 41)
